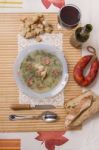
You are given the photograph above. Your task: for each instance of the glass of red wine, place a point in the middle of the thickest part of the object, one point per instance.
(69, 16)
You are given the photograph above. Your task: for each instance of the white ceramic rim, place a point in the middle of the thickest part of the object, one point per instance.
(24, 88)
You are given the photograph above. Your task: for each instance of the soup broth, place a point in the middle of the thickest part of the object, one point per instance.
(41, 71)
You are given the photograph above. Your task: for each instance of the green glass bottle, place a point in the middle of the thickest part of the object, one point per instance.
(81, 35)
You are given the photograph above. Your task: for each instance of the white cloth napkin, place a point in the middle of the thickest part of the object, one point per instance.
(53, 39)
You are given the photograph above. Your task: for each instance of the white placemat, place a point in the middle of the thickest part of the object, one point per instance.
(53, 39)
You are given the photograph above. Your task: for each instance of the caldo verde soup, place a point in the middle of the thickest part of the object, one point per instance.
(41, 71)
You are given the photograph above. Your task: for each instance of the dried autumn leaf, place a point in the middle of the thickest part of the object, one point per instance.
(50, 145)
(52, 139)
(46, 3)
(57, 3)
(49, 135)
(61, 141)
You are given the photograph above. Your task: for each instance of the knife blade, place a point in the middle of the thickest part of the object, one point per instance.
(29, 107)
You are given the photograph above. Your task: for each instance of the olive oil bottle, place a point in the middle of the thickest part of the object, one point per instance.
(81, 35)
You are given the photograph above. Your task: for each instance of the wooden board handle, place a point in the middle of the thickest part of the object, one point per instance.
(20, 107)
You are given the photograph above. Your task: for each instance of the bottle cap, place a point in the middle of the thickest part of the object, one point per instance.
(89, 27)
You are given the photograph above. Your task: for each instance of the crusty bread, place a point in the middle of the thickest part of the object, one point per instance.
(81, 116)
(76, 100)
(88, 113)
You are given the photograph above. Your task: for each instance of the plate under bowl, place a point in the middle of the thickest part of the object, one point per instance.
(50, 49)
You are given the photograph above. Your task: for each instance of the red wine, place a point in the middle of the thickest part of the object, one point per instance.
(70, 16)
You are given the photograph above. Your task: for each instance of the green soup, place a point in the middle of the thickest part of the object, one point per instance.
(41, 71)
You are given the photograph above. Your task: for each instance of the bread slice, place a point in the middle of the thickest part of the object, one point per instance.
(88, 113)
(76, 107)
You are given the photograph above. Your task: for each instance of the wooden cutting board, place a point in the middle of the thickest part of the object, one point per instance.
(9, 28)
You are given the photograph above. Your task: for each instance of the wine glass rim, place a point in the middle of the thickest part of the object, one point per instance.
(72, 5)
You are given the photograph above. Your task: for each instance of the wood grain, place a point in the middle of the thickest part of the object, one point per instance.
(9, 28)
(10, 144)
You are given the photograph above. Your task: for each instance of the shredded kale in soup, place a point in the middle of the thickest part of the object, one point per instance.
(41, 71)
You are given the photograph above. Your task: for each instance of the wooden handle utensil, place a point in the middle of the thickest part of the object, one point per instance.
(21, 107)
(29, 107)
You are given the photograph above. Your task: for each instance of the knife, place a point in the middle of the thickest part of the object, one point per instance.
(29, 107)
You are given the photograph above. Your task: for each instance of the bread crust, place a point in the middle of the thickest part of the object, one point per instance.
(93, 109)
(88, 113)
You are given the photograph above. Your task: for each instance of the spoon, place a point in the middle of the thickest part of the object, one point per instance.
(47, 116)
